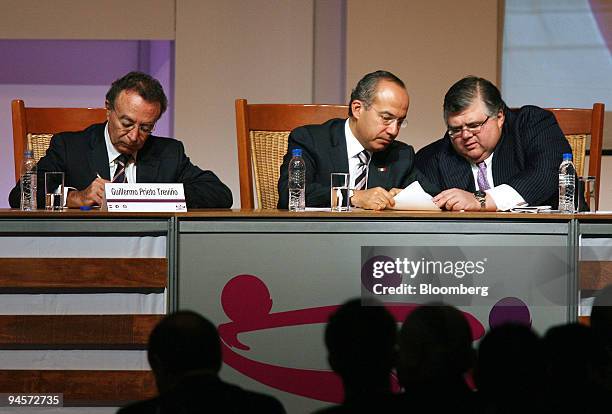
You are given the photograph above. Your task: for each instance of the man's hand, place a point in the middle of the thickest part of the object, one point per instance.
(92, 195)
(455, 199)
(374, 198)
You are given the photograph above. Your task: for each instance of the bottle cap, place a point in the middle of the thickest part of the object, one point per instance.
(296, 152)
(567, 156)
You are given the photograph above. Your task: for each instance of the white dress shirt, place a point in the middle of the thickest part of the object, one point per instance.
(130, 168)
(504, 196)
(353, 149)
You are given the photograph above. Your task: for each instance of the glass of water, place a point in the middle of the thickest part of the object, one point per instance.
(586, 185)
(54, 191)
(340, 193)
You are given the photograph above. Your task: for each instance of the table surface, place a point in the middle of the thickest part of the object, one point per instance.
(355, 214)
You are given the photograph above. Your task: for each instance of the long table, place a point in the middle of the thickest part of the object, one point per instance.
(269, 279)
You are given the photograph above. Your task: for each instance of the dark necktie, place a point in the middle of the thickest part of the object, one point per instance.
(362, 170)
(122, 162)
(481, 177)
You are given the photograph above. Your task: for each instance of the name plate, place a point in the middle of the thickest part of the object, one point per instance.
(145, 197)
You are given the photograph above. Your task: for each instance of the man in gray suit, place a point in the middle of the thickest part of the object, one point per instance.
(491, 157)
(363, 145)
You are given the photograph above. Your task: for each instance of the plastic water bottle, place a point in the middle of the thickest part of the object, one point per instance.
(567, 184)
(28, 182)
(297, 181)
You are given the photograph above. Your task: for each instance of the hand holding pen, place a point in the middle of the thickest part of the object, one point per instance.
(90, 196)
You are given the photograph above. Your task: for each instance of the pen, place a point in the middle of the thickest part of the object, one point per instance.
(98, 175)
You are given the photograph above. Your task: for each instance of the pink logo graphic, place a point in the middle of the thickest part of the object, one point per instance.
(247, 302)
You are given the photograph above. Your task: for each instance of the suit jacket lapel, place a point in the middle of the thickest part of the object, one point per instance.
(378, 170)
(147, 166)
(337, 153)
(98, 156)
(456, 170)
(503, 159)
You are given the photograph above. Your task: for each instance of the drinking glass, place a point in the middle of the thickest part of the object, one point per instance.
(586, 185)
(340, 193)
(54, 191)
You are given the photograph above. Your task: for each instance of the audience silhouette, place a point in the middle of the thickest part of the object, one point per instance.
(601, 324)
(361, 345)
(568, 370)
(575, 370)
(185, 355)
(435, 354)
(509, 371)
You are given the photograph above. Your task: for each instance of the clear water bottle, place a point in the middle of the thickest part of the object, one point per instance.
(28, 182)
(567, 184)
(297, 181)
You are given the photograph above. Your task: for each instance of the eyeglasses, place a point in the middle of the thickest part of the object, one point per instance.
(387, 119)
(127, 125)
(472, 128)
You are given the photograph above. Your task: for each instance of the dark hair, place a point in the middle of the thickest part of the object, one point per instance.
(144, 85)
(366, 87)
(510, 366)
(361, 340)
(464, 92)
(186, 341)
(435, 343)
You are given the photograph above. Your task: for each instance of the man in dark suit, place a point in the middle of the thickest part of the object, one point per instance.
(185, 354)
(363, 145)
(491, 157)
(124, 150)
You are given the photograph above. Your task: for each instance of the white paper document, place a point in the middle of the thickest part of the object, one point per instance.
(414, 197)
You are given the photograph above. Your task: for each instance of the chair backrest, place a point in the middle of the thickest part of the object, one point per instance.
(34, 127)
(262, 134)
(578, 125)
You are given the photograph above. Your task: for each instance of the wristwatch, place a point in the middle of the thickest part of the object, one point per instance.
(481, 196)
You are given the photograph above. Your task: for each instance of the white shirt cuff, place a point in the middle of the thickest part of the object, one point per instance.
(66, 189)
(506, 197)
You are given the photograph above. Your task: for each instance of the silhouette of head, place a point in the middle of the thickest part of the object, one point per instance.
(181, 343)
(361, 345)
(601, 317)
(575, 359)
(509, 370)
(435, 347)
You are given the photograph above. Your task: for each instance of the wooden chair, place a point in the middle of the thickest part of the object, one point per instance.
(578, 125)
(262, 134)
(34, 127)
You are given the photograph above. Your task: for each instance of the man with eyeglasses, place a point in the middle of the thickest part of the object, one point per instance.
(363, 145)
(491, 157)
(123, 150)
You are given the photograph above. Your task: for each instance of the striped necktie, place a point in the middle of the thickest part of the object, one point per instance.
(122, 162)
(362, 170)
(481, 176)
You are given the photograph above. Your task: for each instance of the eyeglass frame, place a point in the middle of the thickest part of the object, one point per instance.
(389, 121)
(475, 129)
(145, 132)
